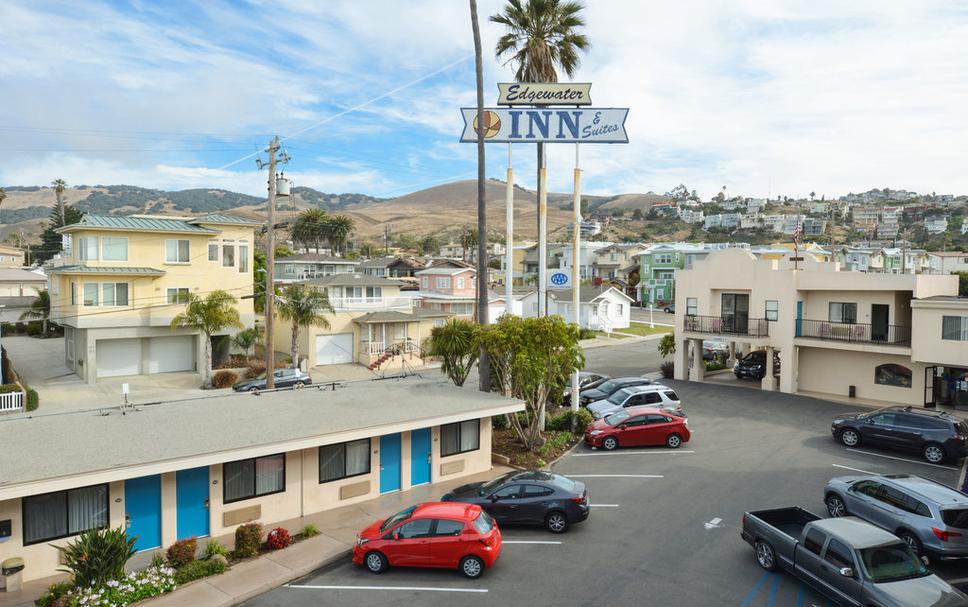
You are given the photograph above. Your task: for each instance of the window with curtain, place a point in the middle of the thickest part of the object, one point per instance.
(692, 306)
(114, 249)
(228, 254)
(213, 250)
(243, 257)
(954, 328)
(842, 312)
(460, 437)
(64, 513)
(177, 251)
(344, 460)
(114, 294)
(250, 478)
(90, 293)
(87, 248)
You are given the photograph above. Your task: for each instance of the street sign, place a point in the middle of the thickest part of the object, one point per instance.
(559, 279)
(544, 93)
(559, 125)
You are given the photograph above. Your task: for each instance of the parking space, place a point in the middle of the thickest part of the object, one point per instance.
(664, 527)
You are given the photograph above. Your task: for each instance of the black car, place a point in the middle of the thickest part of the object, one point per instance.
(528, 497)
(754, 365)
(936, 435)
(607, 388)
(586, 381)
(284, 378)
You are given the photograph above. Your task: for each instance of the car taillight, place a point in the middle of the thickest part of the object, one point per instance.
(944, 536)
(488, 541)
(582, 500)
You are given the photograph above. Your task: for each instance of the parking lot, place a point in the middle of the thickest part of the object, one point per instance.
(664, 527)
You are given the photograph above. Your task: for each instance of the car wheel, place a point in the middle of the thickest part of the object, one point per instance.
(836, 506)
(556, 522)
(933, 453)
(912, 541)
(472, 567)
(375, 562)
(850, 437)
(299, 385)
(673, 441)
(765, 555)
(254, 390)
(609, 443)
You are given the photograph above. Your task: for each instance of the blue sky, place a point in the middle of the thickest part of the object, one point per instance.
(780, 97)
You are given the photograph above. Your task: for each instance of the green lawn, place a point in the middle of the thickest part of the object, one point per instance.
(639, 328)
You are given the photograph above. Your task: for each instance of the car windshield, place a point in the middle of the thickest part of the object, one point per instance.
(397, 518)
(616, 418)
(608, 387)
(892, 563)
(490, 486)
(955, 517)
(619, 397)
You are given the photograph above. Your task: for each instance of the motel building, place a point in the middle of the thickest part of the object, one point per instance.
(202, 467)
(842, 335)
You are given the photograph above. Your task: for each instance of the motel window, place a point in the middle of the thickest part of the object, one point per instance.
(114, 249)
(250, 478)
(842, 312)
(344, 460)
(954, 328)
(228, 254)
(114, 294)
(772, 309)
(213, 250)
(90, 293)
(177, 295)
(177, 251)
(892, 375)
(243, 257)
(443, 282)
(87, 248)
(692, 306)
(64, 513)
(460, 282)
(460, 437)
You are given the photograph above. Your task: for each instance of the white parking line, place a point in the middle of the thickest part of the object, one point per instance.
(669, 452)
(902, 459)
(409, 588)
(530, 542)
(854, 469)
(603, 505)
(615, 476)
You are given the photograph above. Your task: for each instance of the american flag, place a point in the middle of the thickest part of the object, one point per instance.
(798, 233)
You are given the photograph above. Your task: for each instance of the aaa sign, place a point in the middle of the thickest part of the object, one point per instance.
(585, 125)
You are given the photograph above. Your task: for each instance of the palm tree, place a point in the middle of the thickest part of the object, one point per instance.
(246, 339)
(303, 306)
(59, 186)
(484, 364)
(339, 228)
(40, 308)
(310, 227)
(367, 249)
(209, 315)
(468, 240)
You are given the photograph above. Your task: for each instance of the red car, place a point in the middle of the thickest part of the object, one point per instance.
(445, 535)
(638, 427)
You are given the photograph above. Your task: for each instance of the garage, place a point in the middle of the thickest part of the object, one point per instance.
(117, 357)
(334, 349)
(171, 354)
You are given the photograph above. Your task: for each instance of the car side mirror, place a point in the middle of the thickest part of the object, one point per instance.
(846, 572)
(396, 535)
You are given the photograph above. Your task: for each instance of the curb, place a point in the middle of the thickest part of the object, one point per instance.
(563, 455)
(283, 580)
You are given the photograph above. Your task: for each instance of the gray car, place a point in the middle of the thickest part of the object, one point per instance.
(655, 395)
(930, 517)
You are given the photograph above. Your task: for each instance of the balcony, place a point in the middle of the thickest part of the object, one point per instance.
(861, 333)
(727, 325)
(371, 304)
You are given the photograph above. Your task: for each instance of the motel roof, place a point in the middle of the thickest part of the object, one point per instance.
(59, 451)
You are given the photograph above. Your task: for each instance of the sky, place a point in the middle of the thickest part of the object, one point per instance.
(764, 97)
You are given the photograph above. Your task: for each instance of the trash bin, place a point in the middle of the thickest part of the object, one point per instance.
(11, 570)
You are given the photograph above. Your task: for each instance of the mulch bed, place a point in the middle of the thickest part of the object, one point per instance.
(506, 443)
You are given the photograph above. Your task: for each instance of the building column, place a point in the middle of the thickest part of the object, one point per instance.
(789, 363)
(697, 372)
(681, 360)
(731, 360)
(169, 510)
(768, 382)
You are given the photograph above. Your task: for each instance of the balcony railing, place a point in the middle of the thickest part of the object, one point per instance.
(371, 303)
(854, 332)
(727, 325)
(396, 346)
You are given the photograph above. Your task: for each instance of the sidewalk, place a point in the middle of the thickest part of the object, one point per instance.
(338, 529)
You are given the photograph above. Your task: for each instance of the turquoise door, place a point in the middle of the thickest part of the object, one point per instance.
(390, 463)
(420, 456)
(191, 500)
(142, 507)
(799, 332)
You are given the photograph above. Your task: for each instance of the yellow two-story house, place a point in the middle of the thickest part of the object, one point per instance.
(121, 280)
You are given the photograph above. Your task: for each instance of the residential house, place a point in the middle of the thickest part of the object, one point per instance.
(456, 251)
(126, 278)
(863, 259)
(188, 469)
(19, 288)
(618, 265)
(518, 254)
(448, 289)
(690, 215)
(755, 205)
(865, 217)
(307, 266)
(554, 252)
(905, 261)
(12, 257)
(838, 334)
(391, 266)
(725, 221)
(602, 308)
(750, 222)
(936, 225)
(947, 262)
(657, 266)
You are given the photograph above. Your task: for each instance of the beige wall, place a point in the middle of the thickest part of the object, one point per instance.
(926, 343)
(832, 371)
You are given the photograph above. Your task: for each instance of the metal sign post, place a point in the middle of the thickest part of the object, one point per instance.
(576, 271)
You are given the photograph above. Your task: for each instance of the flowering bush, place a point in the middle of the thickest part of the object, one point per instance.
(278, 539)
(247, 540)
(134, 587)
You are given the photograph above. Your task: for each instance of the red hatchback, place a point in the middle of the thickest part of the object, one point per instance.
(638, 427)
(446, 535)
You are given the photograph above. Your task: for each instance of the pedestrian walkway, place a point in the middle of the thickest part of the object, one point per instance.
(338, 529)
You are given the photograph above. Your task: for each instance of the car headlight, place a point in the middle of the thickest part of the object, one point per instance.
(596, 432)
(361, 540)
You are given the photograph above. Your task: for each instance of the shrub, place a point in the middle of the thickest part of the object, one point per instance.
(256, 368)
(97, 556)
(34, 328)
(278, 539)
(215, 547)
(499, 422)
(182, 552)
(715, 365)
(668, 369)
(248, 538)
(196, 570)
(20, 328)
(7, 388)
(309, 530)
(127, 589)
(563, 421)
(586, 334)
(33, 399)
(556, 441)
(53, 592)
(8, 328)
(224, 379)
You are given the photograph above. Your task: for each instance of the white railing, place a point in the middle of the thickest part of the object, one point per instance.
(410, 346)
(11, 401)
(374, 347)
(371, 303)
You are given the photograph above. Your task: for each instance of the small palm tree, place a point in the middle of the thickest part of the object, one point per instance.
(303, 306)
(246, 340)
(40, 308)
(209, 315)
(338, 230)
(59, 186)
(367, 249)
(456, 345)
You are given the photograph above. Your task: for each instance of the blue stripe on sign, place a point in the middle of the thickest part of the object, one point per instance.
(759, 584)
(801, 594)
(773, 588)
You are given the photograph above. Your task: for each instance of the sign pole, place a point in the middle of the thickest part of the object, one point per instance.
(543, 237)
(575, 271)
(509, 241)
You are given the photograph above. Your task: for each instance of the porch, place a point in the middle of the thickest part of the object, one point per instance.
(389, 340)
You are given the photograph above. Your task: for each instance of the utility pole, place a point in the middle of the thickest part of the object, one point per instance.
(271, 254)
(386, 239)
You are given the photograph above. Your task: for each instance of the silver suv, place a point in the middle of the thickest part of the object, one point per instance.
(655, 395)
(930, 517)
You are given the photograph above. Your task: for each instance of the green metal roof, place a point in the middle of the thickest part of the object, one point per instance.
(232, 219)
(121, 222)
(78, 269)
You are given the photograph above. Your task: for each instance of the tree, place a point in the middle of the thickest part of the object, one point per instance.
(246, 340)
(468, 240)
(210, 315)
(59, 186)
(310, 228)
(667, 345)
(339, 228)
(40, 308)
(637, 214)
(430, 245)
(482, 299)
(456, 345)
(303, 306)
(51, 241)
(530, 359)
(963, 284)
(367, 249)
(284, 251)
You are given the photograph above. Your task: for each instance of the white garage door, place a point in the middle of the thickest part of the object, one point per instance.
(170, 354)
(118, 357)
(334, 349)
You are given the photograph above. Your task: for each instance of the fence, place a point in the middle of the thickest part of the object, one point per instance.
(854, 332)
(11, 401)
